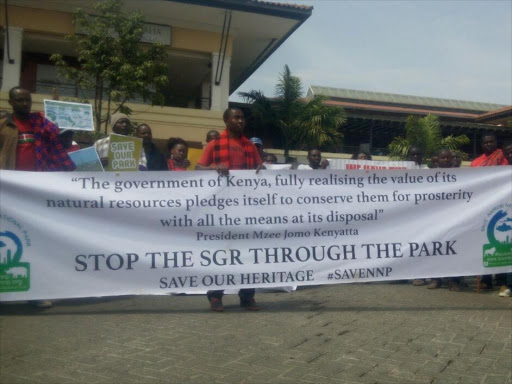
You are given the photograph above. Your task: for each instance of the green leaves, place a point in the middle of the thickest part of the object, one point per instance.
(110, 59)
(425, 132)
(301, 123)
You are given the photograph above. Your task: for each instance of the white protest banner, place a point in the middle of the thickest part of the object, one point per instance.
(370, 165)
(94, 234)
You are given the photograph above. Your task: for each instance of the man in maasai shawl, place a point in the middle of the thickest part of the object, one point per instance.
(29, 142)
(231, 151)
(492, 156)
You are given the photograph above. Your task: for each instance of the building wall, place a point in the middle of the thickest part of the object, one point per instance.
(190, 124)
(60, 23)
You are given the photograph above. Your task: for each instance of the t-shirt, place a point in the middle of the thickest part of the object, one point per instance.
(25, 151)
(236, 154)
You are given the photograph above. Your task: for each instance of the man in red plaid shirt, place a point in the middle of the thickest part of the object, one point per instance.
(231, 150)
(28, 141)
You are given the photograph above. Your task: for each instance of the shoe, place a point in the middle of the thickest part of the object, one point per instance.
(506, 293)
(434, 284)
(250, 305)
(216, 304)
(41, 303)
(418, 282)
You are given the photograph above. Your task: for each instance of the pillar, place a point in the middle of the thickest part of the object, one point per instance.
(220, 92)
(12, 70)
(205, 94)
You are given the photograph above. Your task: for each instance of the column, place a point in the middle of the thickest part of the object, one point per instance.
(220, 92)
(12, 70)
(205, 94)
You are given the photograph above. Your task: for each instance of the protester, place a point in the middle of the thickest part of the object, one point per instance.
(259, 146)
(212, 135)
(66, 138)
(178, 152)
(154, 158)
(492, 156)
(445, 160)
(120, 124)
(30, 142)
(415, 153)
(457, 160)
(231, 151)
(361, 155)
(507, 152)
(270, 159)
(315, 160)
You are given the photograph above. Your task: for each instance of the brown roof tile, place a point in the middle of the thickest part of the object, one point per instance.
(397, 109)
(495, 112)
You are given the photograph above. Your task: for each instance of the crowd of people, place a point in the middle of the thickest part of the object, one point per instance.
(30, 142)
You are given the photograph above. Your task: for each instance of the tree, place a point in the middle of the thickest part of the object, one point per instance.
(111, 61)
(425, 132)
(300, 123)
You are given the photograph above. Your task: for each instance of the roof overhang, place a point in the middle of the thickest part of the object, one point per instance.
(499, 116)
(471, 109)
(258, 28)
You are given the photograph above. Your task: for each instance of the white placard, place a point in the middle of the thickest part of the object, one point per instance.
(68, 115)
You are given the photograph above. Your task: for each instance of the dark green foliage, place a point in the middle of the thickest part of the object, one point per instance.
(301, 123)
(111, 60)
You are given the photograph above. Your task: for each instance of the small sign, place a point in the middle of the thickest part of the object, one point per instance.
(124, 153)
(67, 115)
(370, 165)
(86, 160)
(155, 33)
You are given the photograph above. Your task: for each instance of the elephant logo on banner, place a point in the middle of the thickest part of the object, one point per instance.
(498, 252)
(14, 274)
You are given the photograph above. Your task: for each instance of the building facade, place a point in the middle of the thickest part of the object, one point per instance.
(212, 46)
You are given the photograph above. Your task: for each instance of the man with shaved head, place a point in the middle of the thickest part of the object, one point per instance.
(231, 151)
(30, 142)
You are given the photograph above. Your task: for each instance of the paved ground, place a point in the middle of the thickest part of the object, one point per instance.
(364, 333)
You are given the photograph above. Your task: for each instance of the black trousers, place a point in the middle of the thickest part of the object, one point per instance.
(244, 294)
(500, 278)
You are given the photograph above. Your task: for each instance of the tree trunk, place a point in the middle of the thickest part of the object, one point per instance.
(108, 109)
